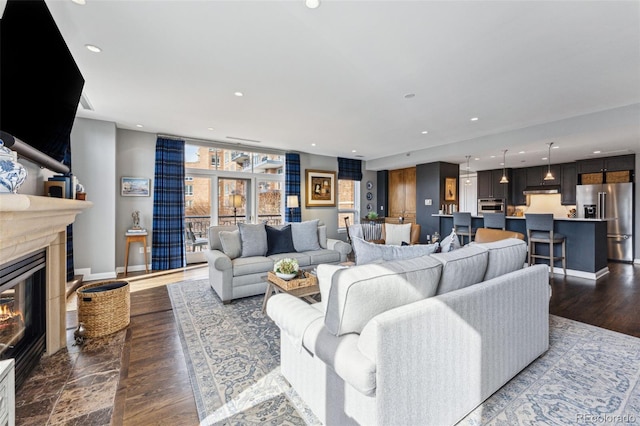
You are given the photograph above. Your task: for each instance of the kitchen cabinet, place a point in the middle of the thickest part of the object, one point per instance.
(402, 194)
(489, 185)
(607, 164)
(569, 176)
(518, 184)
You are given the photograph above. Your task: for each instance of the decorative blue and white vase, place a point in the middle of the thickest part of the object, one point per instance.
(12, 173)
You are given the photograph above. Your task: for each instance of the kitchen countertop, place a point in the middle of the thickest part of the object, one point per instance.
(572, 219)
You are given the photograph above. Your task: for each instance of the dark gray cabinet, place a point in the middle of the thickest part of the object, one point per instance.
(518, 184)
(607, 164)
(569, 181)
(489, 185)
(535, 175)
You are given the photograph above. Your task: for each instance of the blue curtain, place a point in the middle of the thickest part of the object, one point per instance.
(168, 251)
(349, 169)
(292, 186)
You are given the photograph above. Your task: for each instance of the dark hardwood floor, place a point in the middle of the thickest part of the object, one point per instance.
(154, 385)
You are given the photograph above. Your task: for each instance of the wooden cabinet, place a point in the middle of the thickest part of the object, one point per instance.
(518, 184)
(569, 176)
(607, 164)
(489, 185)
(402, 194)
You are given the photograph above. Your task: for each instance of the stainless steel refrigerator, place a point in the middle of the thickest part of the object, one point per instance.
(610, 200)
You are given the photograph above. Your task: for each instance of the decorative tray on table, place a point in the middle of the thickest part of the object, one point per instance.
(304, 279)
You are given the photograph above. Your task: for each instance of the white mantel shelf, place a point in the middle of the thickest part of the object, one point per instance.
(30, 222)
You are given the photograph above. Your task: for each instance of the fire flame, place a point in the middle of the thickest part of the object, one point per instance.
(6, 313)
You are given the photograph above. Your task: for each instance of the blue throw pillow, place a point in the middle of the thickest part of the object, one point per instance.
(279, 240)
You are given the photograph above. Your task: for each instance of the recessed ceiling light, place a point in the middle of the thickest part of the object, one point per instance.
(543, 158)
(521, 152)
(353, 150)
(596, 152)
(493, 156)
(94, 49)
(313, 144)
(312, 4)
(474, 119)
(209, 128)
(477, 158)
(501, 163)
(410, 95)
(139, 125)
(555, 147)
(238, 94)
(424, 132)
(80, 2)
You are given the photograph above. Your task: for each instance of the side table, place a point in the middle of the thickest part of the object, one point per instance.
(138, 237)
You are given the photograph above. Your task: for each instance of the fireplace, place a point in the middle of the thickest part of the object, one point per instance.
(22, 312)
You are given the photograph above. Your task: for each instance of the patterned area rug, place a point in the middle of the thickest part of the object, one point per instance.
(589, 375)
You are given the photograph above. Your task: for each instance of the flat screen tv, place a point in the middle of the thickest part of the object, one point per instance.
(40, 83)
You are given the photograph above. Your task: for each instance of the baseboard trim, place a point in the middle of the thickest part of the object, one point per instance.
(133, 268)
(636, 261)
(582, 274)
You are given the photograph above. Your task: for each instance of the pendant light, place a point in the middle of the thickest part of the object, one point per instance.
(549, 176)
(504, 179)
(467, 181)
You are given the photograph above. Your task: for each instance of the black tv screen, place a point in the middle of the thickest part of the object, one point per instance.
(40, 83)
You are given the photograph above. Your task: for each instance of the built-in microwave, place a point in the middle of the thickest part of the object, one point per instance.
(490, 205)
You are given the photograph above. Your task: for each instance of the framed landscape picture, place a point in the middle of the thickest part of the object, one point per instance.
(135, 187)
(321, 188)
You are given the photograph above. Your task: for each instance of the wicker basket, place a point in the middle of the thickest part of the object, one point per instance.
(304, 279)
(104, 312)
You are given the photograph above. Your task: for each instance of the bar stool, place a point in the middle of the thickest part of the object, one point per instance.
(462, 225)
(540, 230)
(494, 220)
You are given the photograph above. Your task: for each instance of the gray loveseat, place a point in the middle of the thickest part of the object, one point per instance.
(235, 275)
(419, 341)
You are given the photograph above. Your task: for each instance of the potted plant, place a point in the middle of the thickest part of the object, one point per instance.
(286, 268)
(372, 215)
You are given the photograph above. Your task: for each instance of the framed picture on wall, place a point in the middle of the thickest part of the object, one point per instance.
(321, 188)
(135, 187)
(450, 189)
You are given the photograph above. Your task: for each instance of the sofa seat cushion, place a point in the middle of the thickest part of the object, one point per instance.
(318, 257)
(504, 256)
(302, 258)
(251, 265)
(462, 268)
(359, 293)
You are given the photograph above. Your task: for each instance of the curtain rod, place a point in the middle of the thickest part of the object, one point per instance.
(220, 144)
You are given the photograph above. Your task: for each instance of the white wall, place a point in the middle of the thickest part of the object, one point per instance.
(328, 215)
(135, 157)
(93, 159)
(636, 234)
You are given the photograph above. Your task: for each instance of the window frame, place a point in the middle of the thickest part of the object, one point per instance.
(356, 205)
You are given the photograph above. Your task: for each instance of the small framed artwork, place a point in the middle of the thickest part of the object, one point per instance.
(450, 189)
(135, 187)
(321, 188)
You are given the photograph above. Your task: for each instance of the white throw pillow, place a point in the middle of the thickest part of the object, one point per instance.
(394, 235)
(450, 243)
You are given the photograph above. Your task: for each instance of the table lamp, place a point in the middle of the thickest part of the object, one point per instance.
(292, 203)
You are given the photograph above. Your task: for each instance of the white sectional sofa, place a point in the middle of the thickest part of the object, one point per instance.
(421, 341)
(234, 275)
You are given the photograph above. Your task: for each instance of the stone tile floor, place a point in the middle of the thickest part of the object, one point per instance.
(74, 386)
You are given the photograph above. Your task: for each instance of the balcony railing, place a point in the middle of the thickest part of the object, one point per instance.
(200, 224)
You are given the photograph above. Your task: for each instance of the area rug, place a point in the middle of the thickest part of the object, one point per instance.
(588, 375)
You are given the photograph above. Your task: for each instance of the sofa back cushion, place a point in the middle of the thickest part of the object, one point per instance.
(305, 235)
(254, 239)
(214, 235)
(462, 268)
(504, 256)
(367, 252)
(359, 293)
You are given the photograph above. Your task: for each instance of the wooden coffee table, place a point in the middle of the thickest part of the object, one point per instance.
(274, 284)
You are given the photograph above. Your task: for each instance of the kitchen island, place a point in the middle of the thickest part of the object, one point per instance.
(586, 241)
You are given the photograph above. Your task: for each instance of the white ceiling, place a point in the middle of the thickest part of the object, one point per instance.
(532, 71)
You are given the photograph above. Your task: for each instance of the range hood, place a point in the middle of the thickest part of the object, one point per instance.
(542, 189)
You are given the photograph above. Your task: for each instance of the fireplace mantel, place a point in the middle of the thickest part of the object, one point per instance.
(29, 223)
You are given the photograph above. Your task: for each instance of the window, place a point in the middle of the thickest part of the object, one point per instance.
(348, 202)
(189, 178)
(188, 204)
(188, 190)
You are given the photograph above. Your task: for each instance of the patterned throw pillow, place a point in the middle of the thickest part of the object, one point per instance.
(231, 244)
(254, 239)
